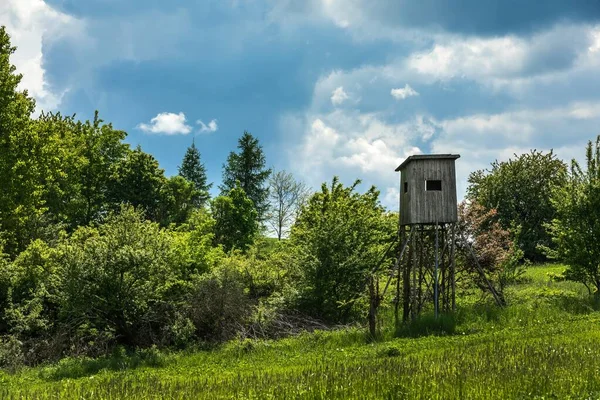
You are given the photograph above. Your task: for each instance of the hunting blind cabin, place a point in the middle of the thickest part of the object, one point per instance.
(428, 214)
(428, 235)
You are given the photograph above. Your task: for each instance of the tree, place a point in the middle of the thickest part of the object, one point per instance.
(235, 220)
(248, 168)
(21, 196)
(137, 180)
(103, 150)
(286, 196)
(575, 229)
(75, 164)
(339, 236)
(194, 171)
(519, 190)
(119, 278)
(177, 200)
(489, 258)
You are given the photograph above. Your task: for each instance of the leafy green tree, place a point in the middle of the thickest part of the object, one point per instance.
(235, 220)
(339, 236)
(120, 278)
(519, 190)
(194, 171)
(62, 163)
(177, 200)
(248, 168)
(575, 229)
(103, 149)
(138, 180)
(21, 197)
(194, 240)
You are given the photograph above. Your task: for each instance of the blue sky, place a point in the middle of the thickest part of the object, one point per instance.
(330, 87)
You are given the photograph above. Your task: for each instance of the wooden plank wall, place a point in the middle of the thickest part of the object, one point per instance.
(419, 206)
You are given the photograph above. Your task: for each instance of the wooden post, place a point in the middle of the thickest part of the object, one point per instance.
(435, 276)
(397, 299)
(413, 307)
(452, 267)
(406, 284)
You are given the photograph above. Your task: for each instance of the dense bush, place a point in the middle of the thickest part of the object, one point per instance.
(576, 228)
(519, 191)
(338, 237)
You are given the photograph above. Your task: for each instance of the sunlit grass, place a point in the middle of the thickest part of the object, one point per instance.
(543, 345)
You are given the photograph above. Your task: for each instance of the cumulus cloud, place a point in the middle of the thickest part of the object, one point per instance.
(339, 96)
(595, 40)
(32, 24)
(498, 59)
(353, 145)
(210, 127)
(483, 138)
(167, 123)
(403, 93)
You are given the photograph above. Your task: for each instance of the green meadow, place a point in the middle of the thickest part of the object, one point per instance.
(543, 345)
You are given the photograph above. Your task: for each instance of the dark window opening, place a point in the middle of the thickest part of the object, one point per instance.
(433, 185)
(405, 187)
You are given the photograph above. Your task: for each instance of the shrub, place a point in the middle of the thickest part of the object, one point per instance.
(218, 305)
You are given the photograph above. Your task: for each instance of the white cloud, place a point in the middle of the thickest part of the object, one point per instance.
(339, 96)
(403, 93)
(483, 138)
(391, 199)
(32, 24)
(471, 57)
(354, 145)
(210, 127)
(167, 123)
(595, 40)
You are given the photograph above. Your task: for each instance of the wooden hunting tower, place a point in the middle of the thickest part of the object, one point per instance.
(427, 237)
(428, 189)
(428, 216)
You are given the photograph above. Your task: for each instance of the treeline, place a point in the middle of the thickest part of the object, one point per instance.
(100, 249)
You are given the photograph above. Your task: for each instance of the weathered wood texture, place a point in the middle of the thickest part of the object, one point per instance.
(419, 206)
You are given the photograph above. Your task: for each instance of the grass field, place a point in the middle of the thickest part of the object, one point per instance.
(544, 345)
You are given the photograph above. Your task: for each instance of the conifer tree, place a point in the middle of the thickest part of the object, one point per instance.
(194, 171)
(248, 168)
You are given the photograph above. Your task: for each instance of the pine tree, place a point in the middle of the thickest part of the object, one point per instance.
(248, 168)
(194, 171)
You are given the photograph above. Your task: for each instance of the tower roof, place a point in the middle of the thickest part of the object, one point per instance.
(427, 157)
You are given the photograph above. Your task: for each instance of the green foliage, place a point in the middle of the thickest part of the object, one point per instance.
(21, 203)
(194, 244)
(519, 190)
(339, 236)
(34, 288)
(247, 170)
(137, 180)
(218, 304)
(120, 278)
(575, 229)
(177, 200)
(235, 216)
(101, 149)
(545, 352)
(194, 171)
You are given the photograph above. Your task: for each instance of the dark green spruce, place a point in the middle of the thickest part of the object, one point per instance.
(248, 167)
(194, 171)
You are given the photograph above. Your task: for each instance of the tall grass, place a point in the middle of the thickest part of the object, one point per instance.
(538, 347)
